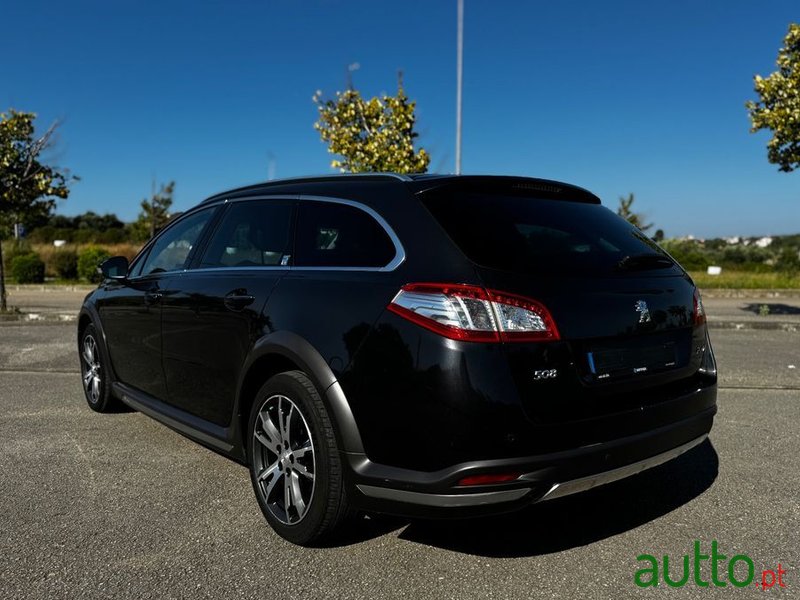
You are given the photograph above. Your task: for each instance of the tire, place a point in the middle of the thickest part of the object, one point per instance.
(95, 372)
(307, 478)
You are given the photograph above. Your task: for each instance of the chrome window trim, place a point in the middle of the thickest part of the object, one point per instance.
(399, 256)
(399, 251)
(229, 269)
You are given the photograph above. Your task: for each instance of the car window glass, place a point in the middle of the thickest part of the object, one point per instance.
(171, 249)
(338, 235)
(528, 234)
(136, 270)
(252, 233)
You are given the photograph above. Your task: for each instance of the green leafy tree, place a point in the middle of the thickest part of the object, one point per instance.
(88, 227)
(778, 107)
(154, 215)
(375, 135)
(95, 222)
(28, 187)
(625, 211)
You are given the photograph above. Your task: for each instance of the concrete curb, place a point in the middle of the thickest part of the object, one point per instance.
(738, 324)
(49, 287)
(755, 294)
(793, 327)
(36, 317)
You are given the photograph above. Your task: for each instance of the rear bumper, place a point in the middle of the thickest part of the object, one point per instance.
(391, 490)
(583, 484)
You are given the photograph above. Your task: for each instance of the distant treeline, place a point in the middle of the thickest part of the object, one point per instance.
(782, 254)
(83, 229)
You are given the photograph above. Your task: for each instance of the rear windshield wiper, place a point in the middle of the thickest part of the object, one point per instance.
(645, 261)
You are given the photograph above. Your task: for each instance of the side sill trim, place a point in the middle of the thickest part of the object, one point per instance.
(442, 500)
(582, 484)
(139, 404)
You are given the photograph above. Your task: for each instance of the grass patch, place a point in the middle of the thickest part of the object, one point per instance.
(746, 281)
(48, 253)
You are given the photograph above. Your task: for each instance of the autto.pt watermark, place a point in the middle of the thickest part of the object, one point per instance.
(708, 569)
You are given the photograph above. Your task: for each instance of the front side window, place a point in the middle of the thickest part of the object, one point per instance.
(253, 233)
(338, 235)
(171, 249)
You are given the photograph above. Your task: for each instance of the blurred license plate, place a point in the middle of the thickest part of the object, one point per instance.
(618, 361)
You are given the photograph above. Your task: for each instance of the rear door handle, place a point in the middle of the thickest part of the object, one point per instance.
(238, 300)
(152, 297)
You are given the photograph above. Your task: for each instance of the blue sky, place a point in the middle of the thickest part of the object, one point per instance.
(616, 96)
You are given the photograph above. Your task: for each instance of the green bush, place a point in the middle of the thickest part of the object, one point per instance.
(64, 264)
(14, 248)
(88, 261)
(27, 268)
(688, 253)
(788, 262)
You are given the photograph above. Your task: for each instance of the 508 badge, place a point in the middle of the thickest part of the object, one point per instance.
(545, 374)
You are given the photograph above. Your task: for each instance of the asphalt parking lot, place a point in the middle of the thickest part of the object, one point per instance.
(118, 506)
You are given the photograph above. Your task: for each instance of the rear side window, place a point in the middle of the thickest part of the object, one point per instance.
(338, 235)
(253, 233)
(536, 235)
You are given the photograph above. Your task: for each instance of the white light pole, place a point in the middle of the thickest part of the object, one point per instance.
(459, 69)
(351, 68)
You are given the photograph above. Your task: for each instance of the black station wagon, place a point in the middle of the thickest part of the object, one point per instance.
(417, 345)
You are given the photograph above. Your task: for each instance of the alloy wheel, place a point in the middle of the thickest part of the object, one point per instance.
(92, 376)
(283, 459)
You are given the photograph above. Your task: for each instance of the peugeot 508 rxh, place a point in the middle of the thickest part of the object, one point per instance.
(415, 345)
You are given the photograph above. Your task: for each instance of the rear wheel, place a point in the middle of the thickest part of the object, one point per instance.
(94, 372)
(295, 465)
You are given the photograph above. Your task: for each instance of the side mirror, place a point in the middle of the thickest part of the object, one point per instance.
(115, 267)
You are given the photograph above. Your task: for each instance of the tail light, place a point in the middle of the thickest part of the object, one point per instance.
(709, 364)
(472, 313)
(699, 312)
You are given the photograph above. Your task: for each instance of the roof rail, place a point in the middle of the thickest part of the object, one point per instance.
(400, 176)
(305, 179)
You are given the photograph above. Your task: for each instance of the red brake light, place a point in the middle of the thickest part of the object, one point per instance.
(471, 313)
(699, 313)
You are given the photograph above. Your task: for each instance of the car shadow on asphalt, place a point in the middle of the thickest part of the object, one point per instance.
(578, 520)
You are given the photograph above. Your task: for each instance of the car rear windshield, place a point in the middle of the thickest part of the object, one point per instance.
(540, 235)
